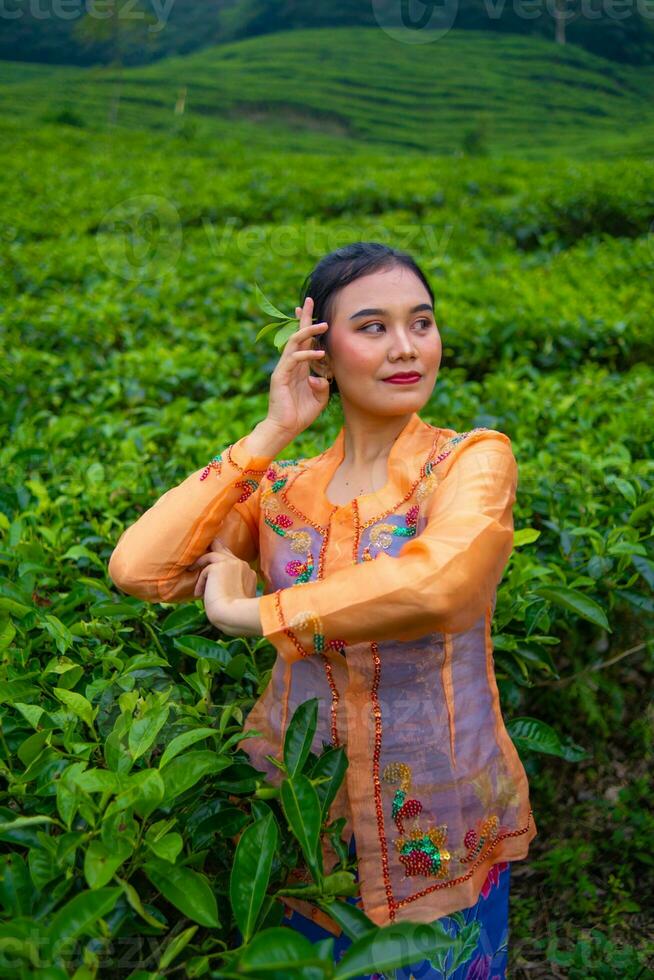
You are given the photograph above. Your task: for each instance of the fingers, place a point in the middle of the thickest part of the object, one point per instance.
(306, 329)
(218, 553)
(202, 578)
(309, 330)
(307, 355)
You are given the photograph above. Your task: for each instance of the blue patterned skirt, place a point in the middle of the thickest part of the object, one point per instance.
(485, 960)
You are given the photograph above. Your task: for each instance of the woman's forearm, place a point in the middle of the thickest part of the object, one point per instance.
(266, 439)
(240, 618)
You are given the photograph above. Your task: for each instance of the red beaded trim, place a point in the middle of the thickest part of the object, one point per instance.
(335, 700)
(243, 469)
(288, 632)
(323, 551)
(328, 667)
(375, 776)
(216, 464)
(357, 531)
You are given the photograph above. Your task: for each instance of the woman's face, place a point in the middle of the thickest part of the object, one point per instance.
(383, 324)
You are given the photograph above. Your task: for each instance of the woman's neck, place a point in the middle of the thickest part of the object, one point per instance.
(370, 438)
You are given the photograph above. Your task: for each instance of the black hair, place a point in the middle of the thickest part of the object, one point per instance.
(344, 265)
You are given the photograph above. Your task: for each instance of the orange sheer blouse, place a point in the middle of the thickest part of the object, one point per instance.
(382, 609)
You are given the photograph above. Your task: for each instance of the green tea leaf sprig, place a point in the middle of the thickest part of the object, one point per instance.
(283, 324)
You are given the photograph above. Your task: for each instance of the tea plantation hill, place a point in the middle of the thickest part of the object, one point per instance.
(327, 90)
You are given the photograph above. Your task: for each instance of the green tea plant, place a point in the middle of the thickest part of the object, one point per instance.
(118, 844)
(125, 792)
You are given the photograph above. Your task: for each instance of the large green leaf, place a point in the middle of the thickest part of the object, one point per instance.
(77, 703)
(299, 735)
(183, 740)
(78, 917)
(331, 765)
(352, 920)
(144, 792)
(188, 890)
(576, 602)
(144, 730)
(531, 733)
(16, 889)
(185, 770)
(266, 305)
(102, 862)
(202, 646)
(275, 951)
(304, 815)
(396, 945)
(168, 847)
(251, 872)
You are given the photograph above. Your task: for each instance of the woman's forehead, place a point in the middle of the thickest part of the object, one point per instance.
(391, 291)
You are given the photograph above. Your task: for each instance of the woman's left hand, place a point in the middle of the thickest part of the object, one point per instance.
(224, 582)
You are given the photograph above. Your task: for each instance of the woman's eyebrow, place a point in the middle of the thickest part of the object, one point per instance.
(375, 311)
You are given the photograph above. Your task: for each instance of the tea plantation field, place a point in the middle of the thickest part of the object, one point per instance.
(128, 314)
(330, 89)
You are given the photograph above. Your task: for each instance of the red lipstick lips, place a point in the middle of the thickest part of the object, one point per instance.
(403, 378)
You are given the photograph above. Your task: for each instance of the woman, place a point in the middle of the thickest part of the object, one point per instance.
(381, 558)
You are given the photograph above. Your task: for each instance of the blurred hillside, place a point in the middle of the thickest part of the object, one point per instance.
(149, 30)
(330, 90)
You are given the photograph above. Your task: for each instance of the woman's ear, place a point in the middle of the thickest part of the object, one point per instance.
(323, 367)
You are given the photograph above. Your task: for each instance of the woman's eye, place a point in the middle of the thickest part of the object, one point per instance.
(424, 320)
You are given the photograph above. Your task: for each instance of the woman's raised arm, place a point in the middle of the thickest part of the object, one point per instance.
(152, 557)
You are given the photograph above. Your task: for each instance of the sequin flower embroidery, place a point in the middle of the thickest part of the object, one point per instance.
(301, 569)
(307, 618)
(249, 484)
(382, 534)
(421, 852)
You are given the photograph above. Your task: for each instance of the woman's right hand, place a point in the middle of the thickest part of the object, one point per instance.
(297, 397)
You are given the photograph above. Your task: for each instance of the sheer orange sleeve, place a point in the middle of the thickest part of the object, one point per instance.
(441, 580)
(152, 557)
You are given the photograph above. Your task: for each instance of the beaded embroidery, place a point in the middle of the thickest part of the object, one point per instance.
(307, 617)
(249, 484)
(382, 534)
(281, 524)
(421, 853)
(214, 464)
(482, 837)
(432, 477)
